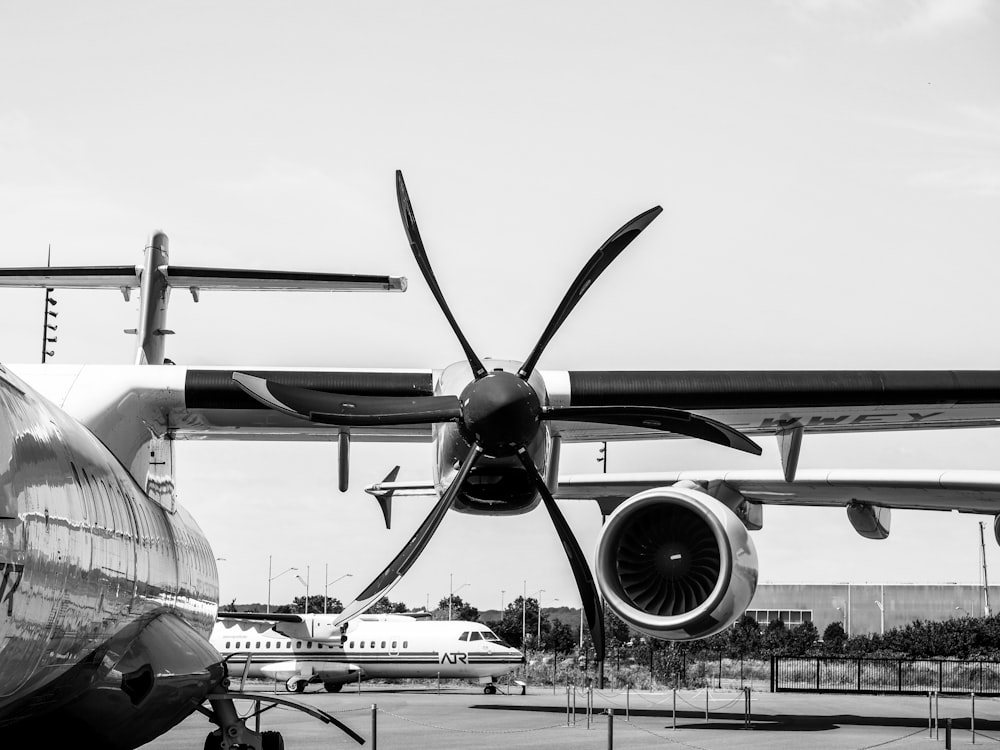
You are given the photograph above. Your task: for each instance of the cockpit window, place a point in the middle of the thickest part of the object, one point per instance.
(476, 636)
(464, 636)
(489, 635)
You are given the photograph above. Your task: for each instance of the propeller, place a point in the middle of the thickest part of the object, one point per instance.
(498, 414)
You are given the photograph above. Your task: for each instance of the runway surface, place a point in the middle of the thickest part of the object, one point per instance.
(465, 717)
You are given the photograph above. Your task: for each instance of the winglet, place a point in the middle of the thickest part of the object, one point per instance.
(384, 497)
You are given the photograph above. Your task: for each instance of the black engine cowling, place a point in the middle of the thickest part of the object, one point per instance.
(675, 563)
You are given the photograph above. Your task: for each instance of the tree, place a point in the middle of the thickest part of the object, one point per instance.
(802, 638)
(744, 636)
(384, 607)
(834, 638)
(460, 610)
(315, 605)
(561, 637)
(776, 638)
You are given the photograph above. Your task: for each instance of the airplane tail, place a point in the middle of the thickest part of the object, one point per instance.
(155, 278)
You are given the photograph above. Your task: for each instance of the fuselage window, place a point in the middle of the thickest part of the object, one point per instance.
(298, 644)
(268, 644)
(373, 644)
(227, 644)
(383, 644)
(394, 644)
(258, 644)
(309, 644)
(362, 644)
(352, 645)
(406, 644)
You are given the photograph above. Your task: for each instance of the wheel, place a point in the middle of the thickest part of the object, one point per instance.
(272, 741)
(300, 686)
(214, 741)
(490, 689)
(333, 687)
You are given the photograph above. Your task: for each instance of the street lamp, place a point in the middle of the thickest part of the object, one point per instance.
(502, 591)
(271, 578)
(326, 587)
(524, 615)
(305, 608)
(538, 641)
(881, 611)
(452, 590)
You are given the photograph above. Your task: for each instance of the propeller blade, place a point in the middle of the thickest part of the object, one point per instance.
(346, 410)
(581, 571)
(417, 246)
(658, 418)
(408, 555)
(594, 268)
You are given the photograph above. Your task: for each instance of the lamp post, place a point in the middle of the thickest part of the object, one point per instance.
(538, 641)
(452, 591)
(524, 614)
(501, 601)
(271, 578)
(881, 610)
(305, 608)
(326, 586)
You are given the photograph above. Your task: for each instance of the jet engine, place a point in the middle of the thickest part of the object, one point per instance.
(675, 563)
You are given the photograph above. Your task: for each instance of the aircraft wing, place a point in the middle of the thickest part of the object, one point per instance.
(771, 401)
(963, 491)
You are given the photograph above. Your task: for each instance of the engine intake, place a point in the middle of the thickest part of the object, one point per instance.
(676, 563)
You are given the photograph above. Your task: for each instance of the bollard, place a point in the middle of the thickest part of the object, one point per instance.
(627, 694)
(439, 683)
(675, 707)
(930, 716)
(937, 717)
(374, 723)
(947, 734)
(747, 724)
(359, 682)
(972, 721)
(706, 704)
(574, 705)
(567, 705)
(611, 728)
(589, 703)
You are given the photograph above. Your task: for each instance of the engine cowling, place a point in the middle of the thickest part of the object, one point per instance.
(675, 563)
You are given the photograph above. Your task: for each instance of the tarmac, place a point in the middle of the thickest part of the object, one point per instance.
(423, 717)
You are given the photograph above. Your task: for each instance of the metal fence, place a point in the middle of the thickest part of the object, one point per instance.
(830, 674)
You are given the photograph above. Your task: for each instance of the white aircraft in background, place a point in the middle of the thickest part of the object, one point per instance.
(309, 649)
(108, 588)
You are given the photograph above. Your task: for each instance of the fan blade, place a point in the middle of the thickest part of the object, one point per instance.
(658, 418)
(417, 246)
(594, 268)
(408, 555)
(346, 410)
(581, 571)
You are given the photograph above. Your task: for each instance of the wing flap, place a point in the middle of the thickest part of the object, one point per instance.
(963, 491)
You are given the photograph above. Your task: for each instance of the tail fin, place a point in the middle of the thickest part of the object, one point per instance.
(156, 277)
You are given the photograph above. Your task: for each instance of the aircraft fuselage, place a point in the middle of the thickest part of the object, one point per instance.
(99, 584)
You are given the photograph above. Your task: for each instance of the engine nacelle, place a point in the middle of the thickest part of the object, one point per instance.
(675, 563)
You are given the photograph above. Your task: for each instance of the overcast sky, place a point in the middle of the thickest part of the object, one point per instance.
(829, 172)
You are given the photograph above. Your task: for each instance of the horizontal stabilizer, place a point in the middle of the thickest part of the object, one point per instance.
(72, 277)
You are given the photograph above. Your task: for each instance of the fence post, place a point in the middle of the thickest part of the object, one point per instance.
(940, 675)
(859, 675)
(590, 702)
(574, 705)
(930, 716)
(937, 718)
(706, 704)
(972, 721)
(675, 707)
(628, 693)
(374, 727)
(611, 728)
(947, 734)
(567, 705)
(817, 674)
(774, 666)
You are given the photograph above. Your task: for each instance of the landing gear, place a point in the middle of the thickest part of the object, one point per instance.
(333, 687)
(299, 686)
(268, 741)
(490, 689)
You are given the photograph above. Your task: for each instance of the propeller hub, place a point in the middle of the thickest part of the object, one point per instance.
(501, 412)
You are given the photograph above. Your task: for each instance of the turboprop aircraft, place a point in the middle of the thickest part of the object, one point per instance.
(108, 588)
(674, 559)
(311, 648)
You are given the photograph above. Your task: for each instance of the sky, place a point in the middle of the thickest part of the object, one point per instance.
(829, 172)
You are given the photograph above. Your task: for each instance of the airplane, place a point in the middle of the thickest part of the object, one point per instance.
(108, 587)
(302, 649)
(674, 559)
(496, 428)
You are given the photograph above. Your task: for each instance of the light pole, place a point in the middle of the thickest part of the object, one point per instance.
(305, 609)
(452, 591)
(524, 615)
(271, 578)
(538, 641)
(881, 611)
(501, 601)
(327, 586)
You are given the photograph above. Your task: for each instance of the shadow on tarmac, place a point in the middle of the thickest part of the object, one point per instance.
(762, 722)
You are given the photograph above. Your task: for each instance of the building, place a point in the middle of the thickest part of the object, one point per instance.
(868, 607)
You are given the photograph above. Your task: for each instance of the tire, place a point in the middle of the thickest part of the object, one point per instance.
(272, 741)
(213, 741)
(333, 687)
(490, 689)
(300, 686)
